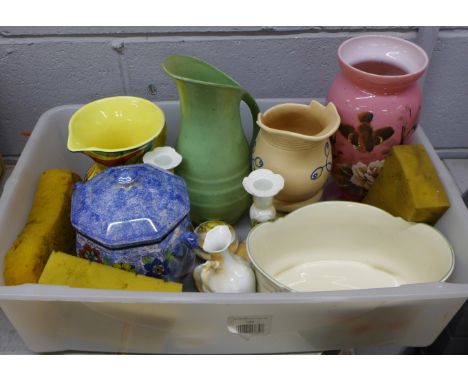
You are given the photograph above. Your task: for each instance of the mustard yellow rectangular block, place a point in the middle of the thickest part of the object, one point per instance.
(64, 269)
(408, 186)
(47, 228)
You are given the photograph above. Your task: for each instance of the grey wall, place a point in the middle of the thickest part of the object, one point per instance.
(42, 67)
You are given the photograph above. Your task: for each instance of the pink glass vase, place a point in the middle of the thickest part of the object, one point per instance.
(379, 101)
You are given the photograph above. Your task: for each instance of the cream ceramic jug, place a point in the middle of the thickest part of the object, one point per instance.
(294, 142)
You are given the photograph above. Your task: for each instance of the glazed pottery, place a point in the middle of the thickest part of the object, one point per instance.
(340, 245)
(225, 272)
(201, 231)
(294, 142)
(211, 139)
(116, 130)
(263, 185)
(164, 157)
(135, 217)
(379, 101)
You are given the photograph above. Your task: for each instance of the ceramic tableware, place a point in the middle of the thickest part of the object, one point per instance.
(163, 157)
(116, 130)
(135, 217)
(379, 101)
(211, 139)
(341, 245)
(263, 185)
(201, 231)
(225, 272)
(294, 142)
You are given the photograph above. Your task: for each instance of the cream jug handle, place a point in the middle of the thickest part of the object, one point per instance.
(254, 110)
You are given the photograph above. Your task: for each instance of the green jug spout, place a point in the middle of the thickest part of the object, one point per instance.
(188, 69)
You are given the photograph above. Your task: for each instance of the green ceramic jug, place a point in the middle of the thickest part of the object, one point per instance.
(216, 154)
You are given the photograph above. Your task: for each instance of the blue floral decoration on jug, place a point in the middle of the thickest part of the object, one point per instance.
(257, 162)
(317, 173)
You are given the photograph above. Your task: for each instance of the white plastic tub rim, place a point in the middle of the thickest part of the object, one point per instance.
(413, 292)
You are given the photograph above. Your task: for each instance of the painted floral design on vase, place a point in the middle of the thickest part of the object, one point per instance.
(364, 175)
(379, 101)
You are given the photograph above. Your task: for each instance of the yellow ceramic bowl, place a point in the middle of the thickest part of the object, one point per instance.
(341, 245)
(115, 130)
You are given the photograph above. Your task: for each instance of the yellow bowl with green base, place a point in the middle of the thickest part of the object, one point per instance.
(116, 130)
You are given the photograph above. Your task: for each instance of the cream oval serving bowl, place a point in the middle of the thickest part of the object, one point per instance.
(340, 245)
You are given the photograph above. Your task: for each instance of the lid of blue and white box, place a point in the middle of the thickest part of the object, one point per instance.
(129, 205)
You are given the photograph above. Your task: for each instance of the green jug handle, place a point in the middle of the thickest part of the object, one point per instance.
(254, 109)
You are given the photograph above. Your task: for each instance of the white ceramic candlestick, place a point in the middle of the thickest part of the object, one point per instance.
(163, 157)
(263, 185)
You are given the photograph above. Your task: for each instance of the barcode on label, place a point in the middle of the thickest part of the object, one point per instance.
(249, 326)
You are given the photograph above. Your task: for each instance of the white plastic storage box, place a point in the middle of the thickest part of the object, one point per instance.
(59, 318)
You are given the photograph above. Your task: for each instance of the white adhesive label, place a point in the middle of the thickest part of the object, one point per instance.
(249, 326)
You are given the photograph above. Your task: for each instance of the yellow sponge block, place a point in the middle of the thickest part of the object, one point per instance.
(64, 269)
(408, 186)
(47, 228)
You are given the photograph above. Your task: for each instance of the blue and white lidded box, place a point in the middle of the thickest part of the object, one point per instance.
(135, 217)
